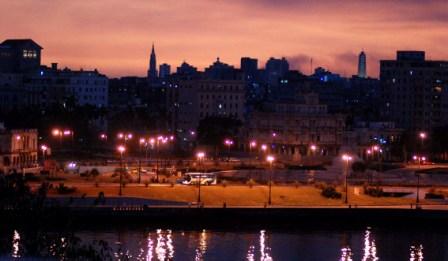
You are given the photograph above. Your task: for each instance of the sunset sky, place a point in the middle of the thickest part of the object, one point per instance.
(115, 36)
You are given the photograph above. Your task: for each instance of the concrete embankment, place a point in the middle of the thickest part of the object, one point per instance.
(249, 216)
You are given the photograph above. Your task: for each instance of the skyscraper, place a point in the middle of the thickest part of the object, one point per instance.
(152, 72)
(362, 67)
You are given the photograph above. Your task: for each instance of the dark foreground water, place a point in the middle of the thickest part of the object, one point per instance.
(363, 243)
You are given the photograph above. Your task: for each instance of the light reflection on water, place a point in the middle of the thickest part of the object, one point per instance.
(202, 247)
(346, 254)
(416, 253)
(165, 244)
(369, 246)
(15, 244)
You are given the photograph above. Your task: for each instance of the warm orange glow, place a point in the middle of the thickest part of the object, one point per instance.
(121, 149)
(116, 37)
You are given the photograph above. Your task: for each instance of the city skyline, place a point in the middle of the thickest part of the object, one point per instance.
(117, 38)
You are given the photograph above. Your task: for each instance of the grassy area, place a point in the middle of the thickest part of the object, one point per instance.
(238, 195)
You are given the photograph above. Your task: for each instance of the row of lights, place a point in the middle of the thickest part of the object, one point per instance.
(201, 155)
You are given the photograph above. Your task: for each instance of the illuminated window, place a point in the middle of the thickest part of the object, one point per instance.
(30, 54)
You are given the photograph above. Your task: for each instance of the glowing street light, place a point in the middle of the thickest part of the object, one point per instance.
(121, 149)
(44, 149)
(270, 159)
(422, 135)
(125, 136)
(264, 147)
(103, 136)
(347, 158)
(228, 142)
(56, 132)
(420, 160)
(200, 156)
(252, 144)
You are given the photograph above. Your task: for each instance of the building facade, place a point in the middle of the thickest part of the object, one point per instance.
(415, 91)
(190, 101)
(18, 149)
(19, 56)
(51, 85)
(290, 129)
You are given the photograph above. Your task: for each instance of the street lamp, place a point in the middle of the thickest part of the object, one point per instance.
(121, 149)
(252, 144)
(200, 156)
(103, 136)
(124, 136)
(264, 147)
(228, 143)
(270, 159)
(44, 149)
(422, 135)
(347, 158)
(313, 149)
(420, 160)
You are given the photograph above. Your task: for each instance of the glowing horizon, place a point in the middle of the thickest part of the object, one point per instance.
(115, 36)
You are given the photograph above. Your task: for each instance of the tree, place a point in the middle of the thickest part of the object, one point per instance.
(213, 130)
(359, 167)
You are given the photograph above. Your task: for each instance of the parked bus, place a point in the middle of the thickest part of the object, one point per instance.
(191, 178)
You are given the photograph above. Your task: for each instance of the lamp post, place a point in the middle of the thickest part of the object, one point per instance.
(121, 149)
(422, 135)
(252, 144)
(125, 136)
(103, 136)
(270, 159)
(200, 156)
(44, 149)
(420, 160)
(228, 143)
(264, 148)
(313, 149)
(346, 158)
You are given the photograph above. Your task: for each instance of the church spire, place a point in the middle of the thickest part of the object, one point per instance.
(152, 71)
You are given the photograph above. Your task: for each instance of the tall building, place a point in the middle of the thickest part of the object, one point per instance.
(362, 65)
(249, 66)
(19, 56)
(152, 72)
(276, 69)
(164, 70)
(415, 90)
